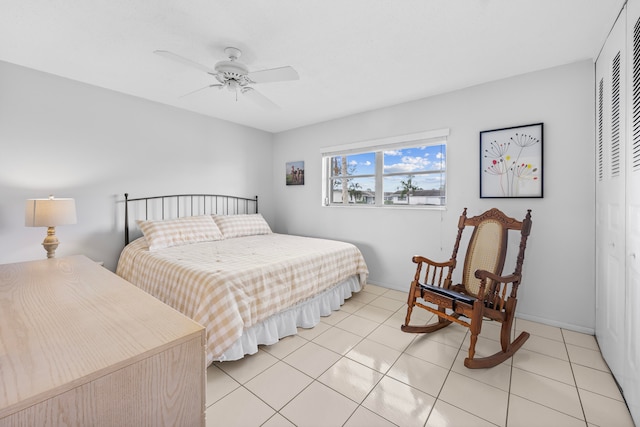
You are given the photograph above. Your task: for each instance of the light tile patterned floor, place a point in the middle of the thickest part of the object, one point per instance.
(356, 368)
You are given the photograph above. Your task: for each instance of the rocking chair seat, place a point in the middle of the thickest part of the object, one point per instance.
(483, 292)
(455, 296)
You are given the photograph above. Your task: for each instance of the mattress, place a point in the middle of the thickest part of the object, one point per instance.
(235, 285)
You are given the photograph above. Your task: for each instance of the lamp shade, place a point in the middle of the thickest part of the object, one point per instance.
(49, 212)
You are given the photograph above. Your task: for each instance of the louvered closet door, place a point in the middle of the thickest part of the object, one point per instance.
(632, 348)
(610, 199)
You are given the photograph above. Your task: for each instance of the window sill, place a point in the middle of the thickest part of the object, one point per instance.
(398, 207)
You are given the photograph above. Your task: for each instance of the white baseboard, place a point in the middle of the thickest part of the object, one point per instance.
(563, 325)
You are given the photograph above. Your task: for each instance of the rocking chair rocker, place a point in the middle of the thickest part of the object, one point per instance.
(483, 293)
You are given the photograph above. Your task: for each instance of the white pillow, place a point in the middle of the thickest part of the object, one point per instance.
(180, 231)
(242, 225)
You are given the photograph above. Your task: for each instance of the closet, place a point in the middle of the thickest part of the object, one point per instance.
(617, 90)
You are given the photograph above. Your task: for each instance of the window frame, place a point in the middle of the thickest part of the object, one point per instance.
(378, 146)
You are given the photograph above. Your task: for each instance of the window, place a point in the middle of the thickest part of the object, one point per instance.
(408, 170)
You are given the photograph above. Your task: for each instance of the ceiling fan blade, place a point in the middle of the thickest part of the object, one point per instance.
(274, 75)
(185, 61)
(259, 98)
(219, 86)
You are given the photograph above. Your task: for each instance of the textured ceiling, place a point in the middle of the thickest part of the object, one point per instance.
(351, 55)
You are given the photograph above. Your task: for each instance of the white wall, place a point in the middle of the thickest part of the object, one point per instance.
(74, 140)
(558, 286)
(69, 139)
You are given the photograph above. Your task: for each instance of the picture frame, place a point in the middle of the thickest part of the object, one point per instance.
(294, 173)
(511, 162)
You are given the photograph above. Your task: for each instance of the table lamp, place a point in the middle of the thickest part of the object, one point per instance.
(50, 213)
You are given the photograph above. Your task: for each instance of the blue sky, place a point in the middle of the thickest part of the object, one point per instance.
(405, 161)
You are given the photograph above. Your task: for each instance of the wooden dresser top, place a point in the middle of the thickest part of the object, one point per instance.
(67, 321)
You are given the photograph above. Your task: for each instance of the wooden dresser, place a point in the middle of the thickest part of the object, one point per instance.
(80, 346)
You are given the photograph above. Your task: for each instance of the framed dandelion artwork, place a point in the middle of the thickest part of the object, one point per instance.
(511, 162)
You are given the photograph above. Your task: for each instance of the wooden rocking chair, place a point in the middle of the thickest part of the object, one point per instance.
(483, 293)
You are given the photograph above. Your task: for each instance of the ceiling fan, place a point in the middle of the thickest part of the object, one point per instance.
(235, 76)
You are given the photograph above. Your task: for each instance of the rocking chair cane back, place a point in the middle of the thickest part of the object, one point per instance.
(483, 293)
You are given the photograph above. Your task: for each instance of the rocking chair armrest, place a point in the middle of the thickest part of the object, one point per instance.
(484, 274)
(420, 259)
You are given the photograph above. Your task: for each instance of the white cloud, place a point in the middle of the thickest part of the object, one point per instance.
(409, 164)
(393, 153)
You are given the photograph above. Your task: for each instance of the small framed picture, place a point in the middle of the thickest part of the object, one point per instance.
(511, 162)
(295, 173)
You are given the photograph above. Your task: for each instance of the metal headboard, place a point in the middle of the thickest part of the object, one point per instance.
(181, 205)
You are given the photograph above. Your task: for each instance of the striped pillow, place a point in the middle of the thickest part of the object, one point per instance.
(179, 231)
(242, 225)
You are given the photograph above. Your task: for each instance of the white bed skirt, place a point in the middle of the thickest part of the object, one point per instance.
(303, 315)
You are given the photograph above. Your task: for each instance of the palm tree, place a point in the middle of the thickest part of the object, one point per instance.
(345, 182)
(408, 187)
(342, 169)
(355, 191)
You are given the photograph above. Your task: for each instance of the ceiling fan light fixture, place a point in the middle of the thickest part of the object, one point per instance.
(232, 86)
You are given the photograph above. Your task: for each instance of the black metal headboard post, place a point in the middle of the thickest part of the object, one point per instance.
(230, 205)
(126, 219)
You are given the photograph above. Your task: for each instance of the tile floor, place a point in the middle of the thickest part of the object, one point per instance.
(356, 368)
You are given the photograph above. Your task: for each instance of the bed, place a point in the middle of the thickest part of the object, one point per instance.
(216, 260)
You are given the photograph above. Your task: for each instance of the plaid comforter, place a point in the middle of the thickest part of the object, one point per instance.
(232, 284)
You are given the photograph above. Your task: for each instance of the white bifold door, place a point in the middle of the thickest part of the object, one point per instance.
(631, 360)
(618, 203)
(610, 199)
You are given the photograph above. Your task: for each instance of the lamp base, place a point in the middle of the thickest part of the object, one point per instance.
(51, 242)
